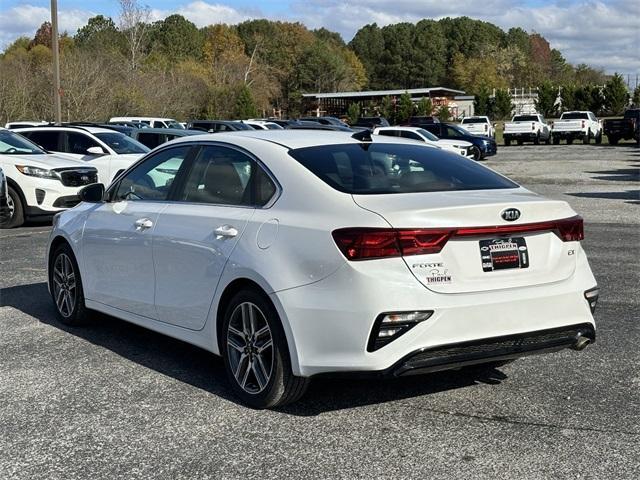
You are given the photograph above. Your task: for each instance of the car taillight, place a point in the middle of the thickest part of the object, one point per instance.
(371, 243)
(570, 229)
(486, 128)
(583, 123)
(533, 126)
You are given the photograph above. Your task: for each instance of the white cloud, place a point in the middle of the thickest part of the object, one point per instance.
(25, 20)
(202, 13)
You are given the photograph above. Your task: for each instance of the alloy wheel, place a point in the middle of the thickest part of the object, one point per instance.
(64, 285)
(250, 349)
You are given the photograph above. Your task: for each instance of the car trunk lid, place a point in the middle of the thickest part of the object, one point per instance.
(470, 260)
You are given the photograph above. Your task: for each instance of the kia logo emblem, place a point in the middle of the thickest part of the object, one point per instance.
(510, 214)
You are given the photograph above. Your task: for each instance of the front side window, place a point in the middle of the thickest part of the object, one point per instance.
(79, 143)
(453, 132)
(153, 178)
(224, 176)
(121, 144)
(386, 168)
(410, 135)
(11, 143)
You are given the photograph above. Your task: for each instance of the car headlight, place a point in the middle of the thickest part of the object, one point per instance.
(37, 172)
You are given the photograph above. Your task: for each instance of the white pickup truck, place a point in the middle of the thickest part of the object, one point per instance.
(531, 127)
(577, 125)
(479, 126)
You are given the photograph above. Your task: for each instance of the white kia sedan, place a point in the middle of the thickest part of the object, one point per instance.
(297, 253)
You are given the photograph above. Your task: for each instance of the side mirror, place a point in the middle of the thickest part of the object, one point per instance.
(95, 151)
(93, 193)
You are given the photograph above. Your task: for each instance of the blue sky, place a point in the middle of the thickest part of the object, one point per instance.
(602, 33)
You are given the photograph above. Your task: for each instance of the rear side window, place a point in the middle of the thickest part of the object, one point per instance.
(224, 176)
(47, 140)
(388, 133)
(151, 140)
(382, 168)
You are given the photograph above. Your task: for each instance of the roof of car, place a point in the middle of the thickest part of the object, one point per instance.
(89, 129)
(291, 139)
(172, 131)
(400, 127)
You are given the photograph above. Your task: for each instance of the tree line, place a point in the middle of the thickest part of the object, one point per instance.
(260, 67)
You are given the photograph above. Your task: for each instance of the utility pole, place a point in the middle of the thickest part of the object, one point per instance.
(56, 62)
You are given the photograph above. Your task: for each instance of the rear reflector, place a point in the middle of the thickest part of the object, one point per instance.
(370, 243)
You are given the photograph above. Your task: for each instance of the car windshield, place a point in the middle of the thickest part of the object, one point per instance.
(386, 168)
(574, 116)
(173, 124)
(12, 143)
(427, 134)
(122, 144)
(474, 120)
(525, 118)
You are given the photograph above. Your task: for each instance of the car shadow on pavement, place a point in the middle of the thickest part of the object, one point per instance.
(201, 369)
(631, 196)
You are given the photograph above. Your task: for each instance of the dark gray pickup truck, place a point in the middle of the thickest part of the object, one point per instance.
(625, 128)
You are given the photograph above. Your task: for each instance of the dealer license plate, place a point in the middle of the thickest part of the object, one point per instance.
(504, 253)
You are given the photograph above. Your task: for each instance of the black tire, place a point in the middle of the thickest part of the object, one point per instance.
(556, 140)
(62, 263)
(476, 153)
(599, 138)
(613, 140)
(15, 211)
(507, 142)
(520, 142)
(586, 139)
(536, 140)
(548, 140)
(569, 141)
(280, 386)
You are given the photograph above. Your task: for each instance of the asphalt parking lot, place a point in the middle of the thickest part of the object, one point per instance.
(112, 400)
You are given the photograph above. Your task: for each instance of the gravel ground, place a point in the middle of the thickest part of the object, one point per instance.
(115, 401)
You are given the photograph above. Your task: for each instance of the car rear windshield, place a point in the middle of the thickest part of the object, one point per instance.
(574, 116)
(384, 168)
(525, 118)
(474, 120)
(122, 144)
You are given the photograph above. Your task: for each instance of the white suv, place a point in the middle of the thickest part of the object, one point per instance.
(110, 152)
(38, 184)
(420, 134)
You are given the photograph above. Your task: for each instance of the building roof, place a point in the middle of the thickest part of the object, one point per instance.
(383, 93)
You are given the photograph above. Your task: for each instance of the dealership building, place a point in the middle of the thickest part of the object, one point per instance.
(337, 103)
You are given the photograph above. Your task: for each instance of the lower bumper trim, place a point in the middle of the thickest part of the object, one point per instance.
(489, 350)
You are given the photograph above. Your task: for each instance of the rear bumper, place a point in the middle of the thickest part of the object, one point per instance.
(569, 134)
(521, 135)
(332, 337)
(489, 350)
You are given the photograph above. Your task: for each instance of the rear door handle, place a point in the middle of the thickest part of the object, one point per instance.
(226, 231)
(143, 224)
